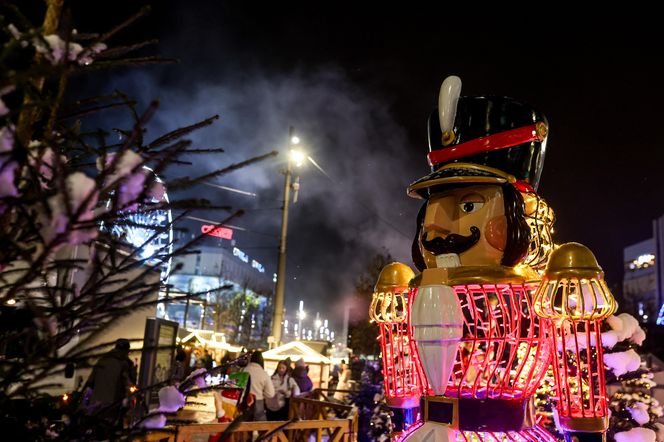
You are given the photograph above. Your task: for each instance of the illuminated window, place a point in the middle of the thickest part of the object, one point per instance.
(642, 262)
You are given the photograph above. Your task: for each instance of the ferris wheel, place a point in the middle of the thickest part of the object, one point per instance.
(149, 230)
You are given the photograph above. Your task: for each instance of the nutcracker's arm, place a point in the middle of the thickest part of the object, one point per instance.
(572, 301)
(389, 310)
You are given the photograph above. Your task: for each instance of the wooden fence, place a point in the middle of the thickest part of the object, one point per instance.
(309, 417)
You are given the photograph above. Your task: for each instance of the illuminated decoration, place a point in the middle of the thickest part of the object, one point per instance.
(503, 354)
(149, 229)
(389, 310)
(496, 301)
(540, 219)
(218, 231)
(573, 299)
(642, 262)
(535, 434)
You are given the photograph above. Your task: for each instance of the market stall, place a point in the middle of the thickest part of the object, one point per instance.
(319, 365)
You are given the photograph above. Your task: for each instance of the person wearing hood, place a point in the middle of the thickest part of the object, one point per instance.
(301, 376)
(110, 380)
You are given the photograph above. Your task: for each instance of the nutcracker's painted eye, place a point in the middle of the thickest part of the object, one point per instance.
(471, 207)
(471, 203)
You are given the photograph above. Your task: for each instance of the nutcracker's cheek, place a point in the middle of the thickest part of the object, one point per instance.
(496, 232)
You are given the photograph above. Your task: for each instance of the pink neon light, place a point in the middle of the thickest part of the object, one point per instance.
(219, 232)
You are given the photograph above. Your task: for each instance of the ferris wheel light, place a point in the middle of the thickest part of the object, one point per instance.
(148, 251)
(151, 230)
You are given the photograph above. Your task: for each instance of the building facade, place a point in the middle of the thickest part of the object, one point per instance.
(644, 276)
(222, 290)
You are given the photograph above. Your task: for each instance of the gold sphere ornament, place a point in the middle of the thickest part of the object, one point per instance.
(389, 301)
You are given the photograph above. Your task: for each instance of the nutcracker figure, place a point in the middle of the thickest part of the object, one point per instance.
(482, 323)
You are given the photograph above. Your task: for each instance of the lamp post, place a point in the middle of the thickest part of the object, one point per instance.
(281, 265)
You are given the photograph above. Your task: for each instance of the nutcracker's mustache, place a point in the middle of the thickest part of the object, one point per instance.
(452, 243)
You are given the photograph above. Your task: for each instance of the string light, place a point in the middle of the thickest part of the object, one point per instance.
(573, 299)
(389, 310)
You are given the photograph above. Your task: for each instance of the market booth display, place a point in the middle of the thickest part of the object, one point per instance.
(319, 365)
(195, 340)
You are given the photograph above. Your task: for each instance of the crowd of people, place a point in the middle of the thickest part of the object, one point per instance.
(268, 397)
(271, 394)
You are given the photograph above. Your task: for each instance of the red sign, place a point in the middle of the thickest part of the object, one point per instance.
(220, 232)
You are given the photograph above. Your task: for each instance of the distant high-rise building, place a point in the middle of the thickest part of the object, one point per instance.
(644, 276)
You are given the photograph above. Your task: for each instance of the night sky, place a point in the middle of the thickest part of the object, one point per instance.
(358, 85)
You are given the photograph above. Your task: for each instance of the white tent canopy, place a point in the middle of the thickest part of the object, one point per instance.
(319, 365)
(210, 339)
(296, 350)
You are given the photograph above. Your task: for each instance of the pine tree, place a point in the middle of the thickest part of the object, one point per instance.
(634, 412)
(374, 416)
(65, 184)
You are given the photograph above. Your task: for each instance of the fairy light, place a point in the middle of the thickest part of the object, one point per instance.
(389, 310)
(490, 360)
(573, 299)
(540, 218)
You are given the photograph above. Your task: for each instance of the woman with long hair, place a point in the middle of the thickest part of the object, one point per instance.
(285, 387)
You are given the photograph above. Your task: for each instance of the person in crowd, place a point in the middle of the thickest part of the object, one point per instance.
(196, 360)
(301, 376)
(344, 383)
(356, 368)
(206, 360)
(261, 386)
(285, 387)
(179, 364)
(334, 376)
(109, 382)
(224, 363)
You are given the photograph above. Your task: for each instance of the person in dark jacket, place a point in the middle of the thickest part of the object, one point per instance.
(301, 376)
(109, 382)
(178, 373)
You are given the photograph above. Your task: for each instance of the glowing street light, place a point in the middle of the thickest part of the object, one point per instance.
(296, 158)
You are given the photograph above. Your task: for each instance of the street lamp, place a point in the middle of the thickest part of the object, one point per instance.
(294, 158)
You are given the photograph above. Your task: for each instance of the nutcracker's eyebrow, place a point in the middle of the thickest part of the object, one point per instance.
(472, 197)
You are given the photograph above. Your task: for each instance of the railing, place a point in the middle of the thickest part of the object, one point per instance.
(317, 410)
(337, 430)
(310, 416)
(324, 394)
